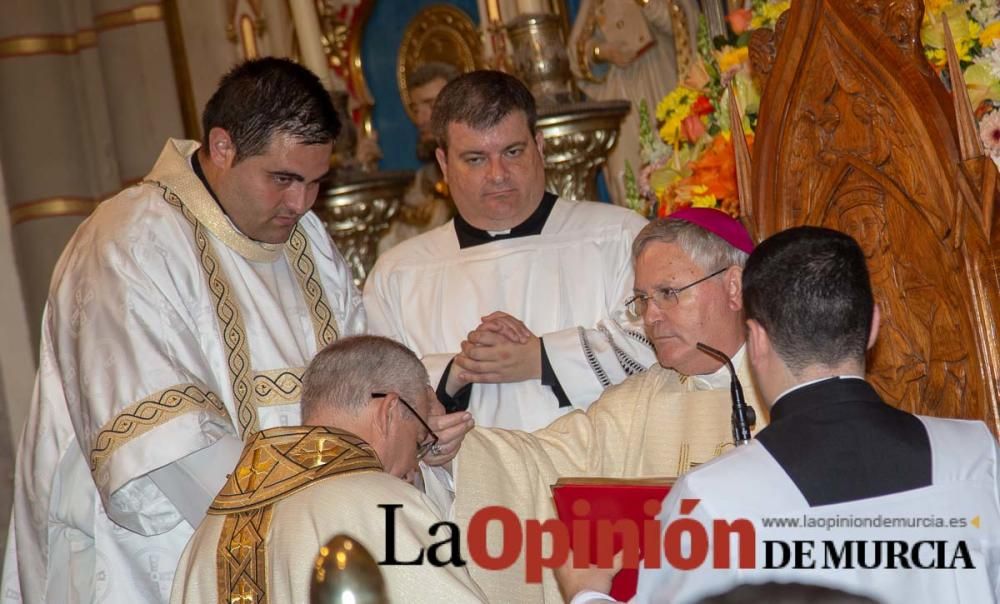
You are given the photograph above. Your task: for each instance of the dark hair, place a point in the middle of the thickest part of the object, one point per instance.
(808, 287)
(481, 100)
(263, 97)
(430, 71)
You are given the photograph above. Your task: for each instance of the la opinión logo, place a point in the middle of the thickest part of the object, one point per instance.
(684, 544)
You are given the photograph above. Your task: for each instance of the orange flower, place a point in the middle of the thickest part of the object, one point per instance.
(715, 170)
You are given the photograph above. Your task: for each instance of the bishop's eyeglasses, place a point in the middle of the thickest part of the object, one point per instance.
(662, 297)
(432, 439)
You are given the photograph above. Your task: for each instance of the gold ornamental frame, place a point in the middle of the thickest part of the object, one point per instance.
(439, 32)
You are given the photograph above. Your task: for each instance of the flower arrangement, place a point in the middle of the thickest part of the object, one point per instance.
(688, 157)
(975, 28)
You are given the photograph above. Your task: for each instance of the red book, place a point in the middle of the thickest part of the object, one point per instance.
(612, 499)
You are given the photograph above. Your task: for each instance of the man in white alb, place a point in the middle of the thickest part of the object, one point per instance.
(179, 322)
(510, 305)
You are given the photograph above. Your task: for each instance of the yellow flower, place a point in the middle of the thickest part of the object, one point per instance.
(733, 57)
(938, 57)
(990, 35)
(932, 7)
(769, 13)
(701, 198)
(672, 110)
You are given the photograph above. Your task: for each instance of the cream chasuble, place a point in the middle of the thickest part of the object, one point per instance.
(568, 284)
(656, 424)
(294, 489)
(166, 332)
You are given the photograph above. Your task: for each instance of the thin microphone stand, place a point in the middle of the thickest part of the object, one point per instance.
(743, 415)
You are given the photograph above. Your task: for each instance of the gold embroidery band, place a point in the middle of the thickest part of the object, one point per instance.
(157, 409)
(278, 462)
(51, 208)
(234, 335)
(274, 464)
(241, 558)
(279, 387)
(300, 258)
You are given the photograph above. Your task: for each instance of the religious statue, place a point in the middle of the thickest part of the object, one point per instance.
(628, 49)
(426, 204)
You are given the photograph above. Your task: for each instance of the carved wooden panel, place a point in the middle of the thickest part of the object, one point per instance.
(857, 133)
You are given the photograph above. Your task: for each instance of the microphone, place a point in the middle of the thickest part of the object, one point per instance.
(743, 415)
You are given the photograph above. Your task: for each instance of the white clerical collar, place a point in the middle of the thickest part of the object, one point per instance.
(816, 381)
(720, 378)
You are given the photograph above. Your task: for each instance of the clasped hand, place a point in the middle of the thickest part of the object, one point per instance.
(501, 350)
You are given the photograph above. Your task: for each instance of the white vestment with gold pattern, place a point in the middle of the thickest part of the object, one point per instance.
(653, 425)
(166, 331)
(294, 489)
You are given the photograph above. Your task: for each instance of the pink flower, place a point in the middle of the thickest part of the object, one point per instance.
(989, 132)
(692, 128)
(739, 20)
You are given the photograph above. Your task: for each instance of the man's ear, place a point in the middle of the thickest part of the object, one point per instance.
(383, 415)
(758, 343)
(442, 159)
(221, 149)
(540, 142)
(876, 322)
(733, 280)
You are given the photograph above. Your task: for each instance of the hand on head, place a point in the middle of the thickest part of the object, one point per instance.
(451, 429)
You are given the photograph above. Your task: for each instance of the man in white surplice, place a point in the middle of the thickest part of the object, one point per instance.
(510, 305)
(179, 321)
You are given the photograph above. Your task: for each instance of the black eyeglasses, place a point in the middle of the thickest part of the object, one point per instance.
(662, 297)
(422, 448)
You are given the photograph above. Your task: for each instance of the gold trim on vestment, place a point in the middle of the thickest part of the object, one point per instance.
(299, 255)
(278, 387)
(279, 461)
(51, 208)
(241, 558)
(143, 13)
(234, 334)
(67, 44)
(173, 171)
(141, 417)
(274, 464)
(184, 190)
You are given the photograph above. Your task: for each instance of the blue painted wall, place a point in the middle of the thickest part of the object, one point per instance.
(379, 48)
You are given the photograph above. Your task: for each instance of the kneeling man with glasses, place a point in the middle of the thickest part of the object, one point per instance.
(364, 404)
